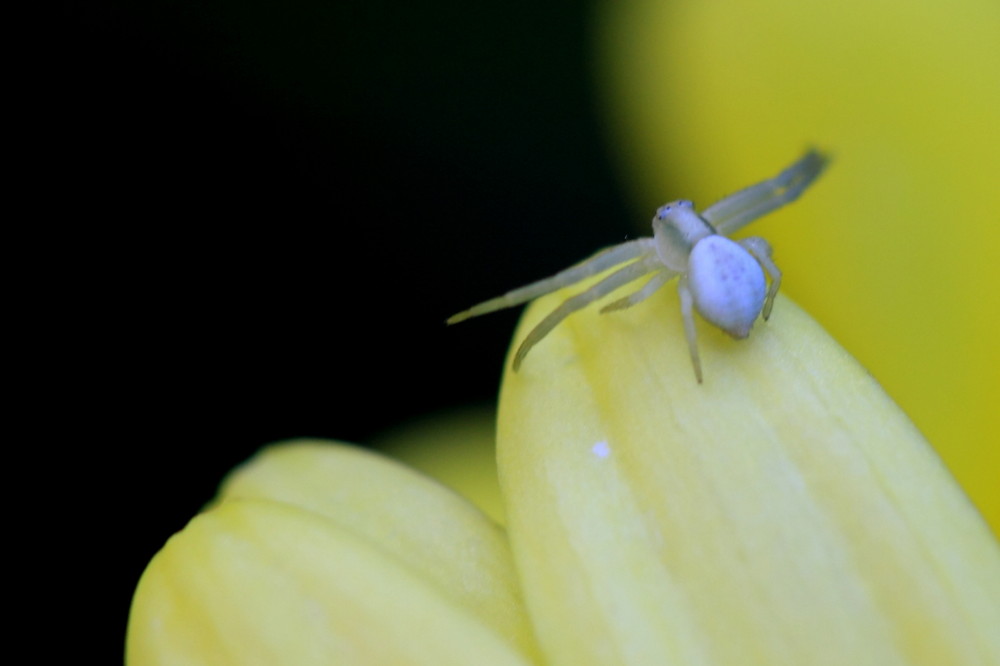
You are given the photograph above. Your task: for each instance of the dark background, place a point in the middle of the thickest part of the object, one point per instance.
(257, 215)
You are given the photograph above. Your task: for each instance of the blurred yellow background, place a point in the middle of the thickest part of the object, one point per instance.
(896, 250)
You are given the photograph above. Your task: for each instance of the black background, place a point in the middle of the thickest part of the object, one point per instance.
(252, 218)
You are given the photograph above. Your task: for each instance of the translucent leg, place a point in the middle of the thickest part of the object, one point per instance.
(761, 251)
(739, 209)
(620, 277)
(687, 313)
(647, 290)
(592, 266)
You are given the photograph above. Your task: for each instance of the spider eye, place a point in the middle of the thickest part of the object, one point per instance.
(671, 208)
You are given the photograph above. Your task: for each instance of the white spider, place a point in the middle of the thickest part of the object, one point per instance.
(721, 278)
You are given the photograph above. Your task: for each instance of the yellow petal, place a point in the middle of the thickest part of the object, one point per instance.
(784, 512)
(325, 553)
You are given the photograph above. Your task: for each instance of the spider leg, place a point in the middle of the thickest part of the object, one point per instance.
(761, 251)
(687, 313)
(620, 277)
(740, 209)
(596, 264)
(647, 290)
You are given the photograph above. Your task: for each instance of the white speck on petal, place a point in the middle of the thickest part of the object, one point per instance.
(601, 449)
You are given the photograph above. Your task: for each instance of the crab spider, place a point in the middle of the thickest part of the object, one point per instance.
(720, 278)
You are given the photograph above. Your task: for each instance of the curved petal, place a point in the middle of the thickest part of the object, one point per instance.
(784, 512)
(325, 553)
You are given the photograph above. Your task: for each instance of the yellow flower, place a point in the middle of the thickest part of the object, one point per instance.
(894, 250)
(784, 512)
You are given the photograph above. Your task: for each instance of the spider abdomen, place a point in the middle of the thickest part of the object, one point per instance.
(727, 284)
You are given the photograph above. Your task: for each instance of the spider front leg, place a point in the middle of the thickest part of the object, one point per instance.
(743, 207)
(760, 249)
(596, 264)
(687, 312)
(617, 279)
